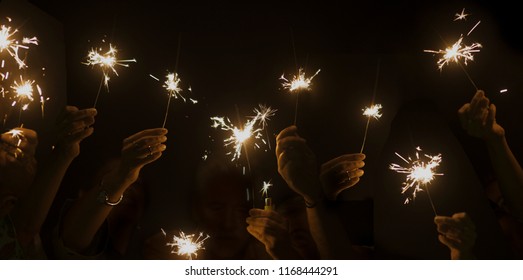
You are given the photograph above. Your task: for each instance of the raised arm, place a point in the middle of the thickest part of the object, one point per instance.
(478, 118)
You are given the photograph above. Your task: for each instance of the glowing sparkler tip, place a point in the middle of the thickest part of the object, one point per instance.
(420, 172)
(265, 188)
(456, 52)
(187, 245)
(373, 111)
(298, 82)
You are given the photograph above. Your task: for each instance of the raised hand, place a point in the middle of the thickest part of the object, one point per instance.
(341, 173)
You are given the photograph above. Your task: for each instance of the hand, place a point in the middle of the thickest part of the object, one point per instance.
(478, 118)
(271, 229)
(141, 149)
(20, 146)
(297, 165)
(74, 125)
(17, 162)
(458, 233)
(341, 173)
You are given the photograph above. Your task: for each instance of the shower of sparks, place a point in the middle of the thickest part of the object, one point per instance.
(461, 16)
(373, 111)
(12, 45)
(172, 85)
(456, 53)
(420, 172)
(298, 82)
(265, 188)
(16, 134)
(238, 136)
(107, 62)
(187, 245)
(24, 92)
(263, 114)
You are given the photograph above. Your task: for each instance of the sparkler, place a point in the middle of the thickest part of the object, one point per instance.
(12, 45)
(16, 134)
(264, 190)
(187, 245)
(23, 91)
(238, 136)
(172, 85)
(420, 172)
(264, 114)
(371, 112)
(107, 62)
(298, 84)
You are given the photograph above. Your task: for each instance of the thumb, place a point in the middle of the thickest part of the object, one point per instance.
(491, 118)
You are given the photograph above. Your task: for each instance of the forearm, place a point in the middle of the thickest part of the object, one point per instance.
(87, 215)
(509, 175)
(329, 234)
(32, 209)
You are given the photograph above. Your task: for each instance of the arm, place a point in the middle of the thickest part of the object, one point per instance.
(31, 210)
(87, 215)
(297, 166)
(478, 118)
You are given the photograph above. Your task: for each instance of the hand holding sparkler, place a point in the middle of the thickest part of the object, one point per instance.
(272, 229)
(478, 118)
(73, 126)
(458, 233)
(19, 143)
(341, 173)
(297, 165)
(139, 150)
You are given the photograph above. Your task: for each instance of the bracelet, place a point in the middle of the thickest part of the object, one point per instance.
(103, 197)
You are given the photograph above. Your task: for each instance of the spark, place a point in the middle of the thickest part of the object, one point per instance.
(12, 45)
(24, 92)
(187, 245)
(18, 134)
(263, 114)
(239, 136)
(474, 27)
(265, 188)
(107, 62)
(503, 90)
(420, 172)
(456, 53)
(461, 16)
(298, 82)
(373, 111)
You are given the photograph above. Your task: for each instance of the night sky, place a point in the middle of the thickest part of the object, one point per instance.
(232, 56)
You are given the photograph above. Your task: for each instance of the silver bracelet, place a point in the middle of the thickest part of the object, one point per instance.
(103, 197)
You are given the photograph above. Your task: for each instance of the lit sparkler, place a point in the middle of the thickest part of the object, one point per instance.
(23, 91)
(456, 52)
(172, 85)
(12, 45)
(107, 62)
(298, 82)
(264, 114)
(238, 135)
(420, 172)
(461, 16)
(265, 188)
(187, 245)
(371, 112)
(16, 134)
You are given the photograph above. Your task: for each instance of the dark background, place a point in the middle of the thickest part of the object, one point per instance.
(232, 55)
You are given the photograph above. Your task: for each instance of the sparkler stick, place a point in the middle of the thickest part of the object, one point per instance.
(187, 245)
(420, 172)
(297, 84)
(107, 62)
(171, 84)
(373, 110)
